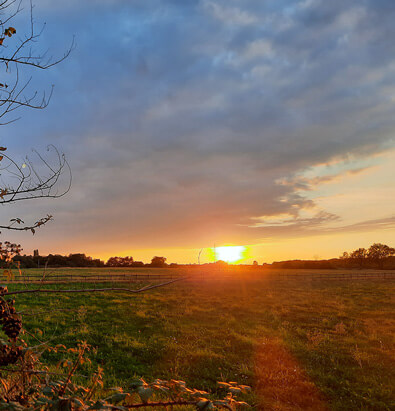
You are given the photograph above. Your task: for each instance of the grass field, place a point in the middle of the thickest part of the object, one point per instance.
(300, 344)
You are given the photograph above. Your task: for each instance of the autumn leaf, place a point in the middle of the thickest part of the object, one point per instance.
(9, 32)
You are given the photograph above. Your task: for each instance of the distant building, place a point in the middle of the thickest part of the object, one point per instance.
(35, 253)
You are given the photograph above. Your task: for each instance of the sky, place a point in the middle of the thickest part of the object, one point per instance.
(266, 124)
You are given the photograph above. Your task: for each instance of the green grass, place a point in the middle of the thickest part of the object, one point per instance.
(92, 271)
(340, 333)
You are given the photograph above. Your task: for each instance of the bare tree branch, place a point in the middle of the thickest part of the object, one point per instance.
(21, 51)
(31, 180)
(28, 179)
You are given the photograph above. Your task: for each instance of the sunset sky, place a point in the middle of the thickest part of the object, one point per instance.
(266, 124)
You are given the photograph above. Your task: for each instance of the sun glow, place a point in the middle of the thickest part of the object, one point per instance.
(230, 254)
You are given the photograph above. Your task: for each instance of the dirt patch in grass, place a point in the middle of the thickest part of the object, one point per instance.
(281, 383)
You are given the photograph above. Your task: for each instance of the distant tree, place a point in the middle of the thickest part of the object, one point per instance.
(120, 262)
(158, 262)
(127, 262)
(25, 261)
(359, 256)
(113, 262)
(345, 259)
(220, 264)
(378, 252)
(57, 260)
(79, 260)
(345, 256)
(97, 262)
(255, 263)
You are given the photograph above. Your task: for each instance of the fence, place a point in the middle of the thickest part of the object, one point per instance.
(300, 274)
(89, 278)
(340, 276)
(201, 275)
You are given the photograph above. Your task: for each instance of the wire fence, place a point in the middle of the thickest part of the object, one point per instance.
(89, 278)
(309, 275)
(197, 274)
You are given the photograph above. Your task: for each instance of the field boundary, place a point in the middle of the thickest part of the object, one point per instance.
(89, 278)
(201, 275)
(313, 276)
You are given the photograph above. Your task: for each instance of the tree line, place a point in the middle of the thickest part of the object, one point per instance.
(82, 260)
(377, 255)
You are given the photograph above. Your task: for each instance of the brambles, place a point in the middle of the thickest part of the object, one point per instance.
(9, 355)
(10, 321)
(11, 325)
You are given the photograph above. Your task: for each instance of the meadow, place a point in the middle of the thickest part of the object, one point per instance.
(300, 344)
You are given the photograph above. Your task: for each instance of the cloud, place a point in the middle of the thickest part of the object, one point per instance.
(180, 118)
(229, 15)
(300, 182)
(296, 221)
(387, 223)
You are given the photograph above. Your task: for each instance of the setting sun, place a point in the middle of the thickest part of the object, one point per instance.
(230, 254)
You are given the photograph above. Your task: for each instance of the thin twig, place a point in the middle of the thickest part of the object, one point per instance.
(160, 404)
(72, 371)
